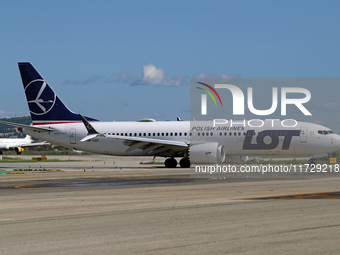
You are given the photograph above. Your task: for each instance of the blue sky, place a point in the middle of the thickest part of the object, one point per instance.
(128, 60)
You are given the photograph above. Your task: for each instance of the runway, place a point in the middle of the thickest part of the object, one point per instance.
(119, 206)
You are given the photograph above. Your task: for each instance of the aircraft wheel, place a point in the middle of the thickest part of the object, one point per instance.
(170, 163)
(184, 162)
(311, 162)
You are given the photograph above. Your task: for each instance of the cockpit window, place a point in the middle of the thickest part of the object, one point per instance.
(325, 132)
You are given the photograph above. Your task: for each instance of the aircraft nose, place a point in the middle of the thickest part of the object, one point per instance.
(337, 141)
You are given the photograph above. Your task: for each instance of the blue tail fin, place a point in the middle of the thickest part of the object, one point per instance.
(44, 104)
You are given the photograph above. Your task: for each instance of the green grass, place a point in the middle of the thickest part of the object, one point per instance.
(151, 163)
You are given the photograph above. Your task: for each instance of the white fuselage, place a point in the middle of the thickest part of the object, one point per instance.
(303, 139)
(9, 143)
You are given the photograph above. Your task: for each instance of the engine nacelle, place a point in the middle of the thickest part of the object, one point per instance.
(205, 153)
(18, 150)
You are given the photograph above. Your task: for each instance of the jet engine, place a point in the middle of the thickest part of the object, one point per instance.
(205, 153)
(18, 150)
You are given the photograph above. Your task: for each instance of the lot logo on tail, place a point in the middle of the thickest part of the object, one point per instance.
(40, 97)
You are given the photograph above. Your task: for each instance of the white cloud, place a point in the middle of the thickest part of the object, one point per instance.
(89, 80)
(111, 79)
(152, 75)
(330, 106)
(128, 78)
(155, 77)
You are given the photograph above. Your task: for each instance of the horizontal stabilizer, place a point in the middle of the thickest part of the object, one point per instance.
(32, 128)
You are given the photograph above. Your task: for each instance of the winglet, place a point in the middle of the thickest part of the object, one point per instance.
(88, 126)
(91, 132)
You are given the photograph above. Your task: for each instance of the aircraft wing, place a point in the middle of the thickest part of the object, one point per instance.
(148, 145)
(32, 128)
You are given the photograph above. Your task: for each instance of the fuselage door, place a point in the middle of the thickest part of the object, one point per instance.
(303, 135)
(73, 136)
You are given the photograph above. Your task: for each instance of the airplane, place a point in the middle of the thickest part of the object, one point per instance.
(193, 141)
(18, 144)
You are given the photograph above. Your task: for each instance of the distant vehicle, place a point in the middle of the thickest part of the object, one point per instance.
(18, 144)
(194, 142)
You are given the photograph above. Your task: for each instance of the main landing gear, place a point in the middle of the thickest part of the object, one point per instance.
(311, 162)
(172, 163)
